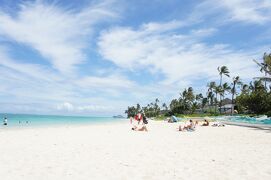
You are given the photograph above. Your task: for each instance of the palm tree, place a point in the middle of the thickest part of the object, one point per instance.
(210, 95)
(210, 98)
(225, 88)
(165, 106)
(217, 91)
(256, 86)
(199, 96)
(236, 81)
(138, 108)
(265, 67)
(203, 103)
(245, 88)
(223, 70)
(156, 107)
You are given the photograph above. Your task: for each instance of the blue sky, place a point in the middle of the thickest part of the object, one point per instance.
(96, 57)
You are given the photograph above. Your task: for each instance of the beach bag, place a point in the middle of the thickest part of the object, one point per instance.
(145, 121)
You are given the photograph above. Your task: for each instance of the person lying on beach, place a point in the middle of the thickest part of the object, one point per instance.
(218, 124)
(206, 123)
(143, 128)
(190, 127)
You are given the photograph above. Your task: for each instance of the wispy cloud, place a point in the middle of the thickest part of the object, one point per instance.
(176, 55)
(66, 106)
(246, 11)
(58, 34)
(34, 88)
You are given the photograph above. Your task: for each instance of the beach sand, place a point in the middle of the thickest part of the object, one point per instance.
(113, 151)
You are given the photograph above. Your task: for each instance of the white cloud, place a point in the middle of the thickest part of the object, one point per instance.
(31, 88)
(58, 34)
(172, 51)
(247, 11)
(109, 82)
(177, 56)
(65, 106)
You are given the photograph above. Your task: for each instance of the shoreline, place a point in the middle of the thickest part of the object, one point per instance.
(58, 125)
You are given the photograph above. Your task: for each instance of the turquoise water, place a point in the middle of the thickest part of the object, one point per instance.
(23, 120)
(246, 119)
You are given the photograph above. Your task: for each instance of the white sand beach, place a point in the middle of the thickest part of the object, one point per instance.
(113, 151)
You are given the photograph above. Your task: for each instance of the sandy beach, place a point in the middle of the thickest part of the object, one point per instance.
(113, 151)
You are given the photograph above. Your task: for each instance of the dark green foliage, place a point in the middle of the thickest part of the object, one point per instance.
(255, 101)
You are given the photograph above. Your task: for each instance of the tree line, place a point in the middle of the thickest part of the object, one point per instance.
(252, 98)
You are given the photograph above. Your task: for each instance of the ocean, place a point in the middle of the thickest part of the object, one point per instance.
(30, 120)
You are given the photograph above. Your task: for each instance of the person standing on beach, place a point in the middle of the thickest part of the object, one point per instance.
(138, 118)
(5, 122)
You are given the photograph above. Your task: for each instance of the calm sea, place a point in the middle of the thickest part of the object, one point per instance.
(29, 120)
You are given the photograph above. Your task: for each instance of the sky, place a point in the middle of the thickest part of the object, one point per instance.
(96, 57)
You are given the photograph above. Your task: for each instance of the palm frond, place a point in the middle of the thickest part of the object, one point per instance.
(268, 79)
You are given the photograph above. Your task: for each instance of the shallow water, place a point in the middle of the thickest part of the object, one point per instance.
(26, 120)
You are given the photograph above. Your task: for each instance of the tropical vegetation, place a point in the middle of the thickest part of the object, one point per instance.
(252, 98)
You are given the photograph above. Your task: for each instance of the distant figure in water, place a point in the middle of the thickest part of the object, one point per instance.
(5, 122)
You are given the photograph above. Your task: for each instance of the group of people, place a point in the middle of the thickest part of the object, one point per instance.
(192, 125)
(139, 122)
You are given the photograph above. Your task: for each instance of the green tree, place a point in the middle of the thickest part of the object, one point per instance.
(266, 68)
(256, 99)
(164, 106)
(245, 89)
(131, 111)
(210, 94)
(217, 90)
(203, 103)
(223, 70)
(225, 88)
(236, 81)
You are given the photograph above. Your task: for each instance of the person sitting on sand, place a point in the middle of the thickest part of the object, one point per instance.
(190, 127)
(206, 123)
(143, 128)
